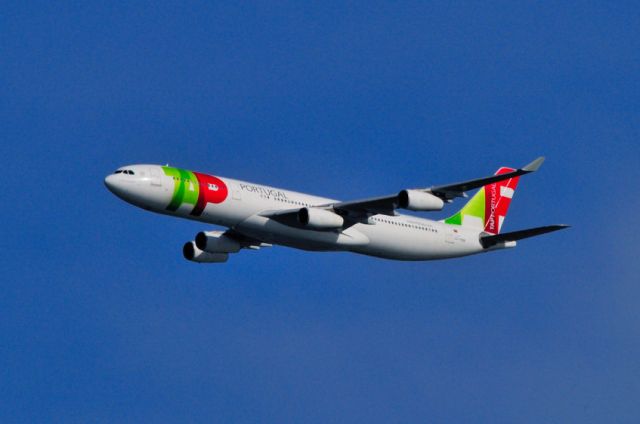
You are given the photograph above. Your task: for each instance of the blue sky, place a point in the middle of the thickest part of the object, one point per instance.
(103, 321)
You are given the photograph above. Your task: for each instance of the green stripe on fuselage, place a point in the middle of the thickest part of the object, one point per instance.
(185, 187)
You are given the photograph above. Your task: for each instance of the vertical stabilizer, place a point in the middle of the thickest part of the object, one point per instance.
(487, 209)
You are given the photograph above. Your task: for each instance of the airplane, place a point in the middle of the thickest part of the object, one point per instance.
(257, 216)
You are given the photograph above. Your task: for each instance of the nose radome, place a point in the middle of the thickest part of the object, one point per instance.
(109, 181)
(114, 184)
(132, 184)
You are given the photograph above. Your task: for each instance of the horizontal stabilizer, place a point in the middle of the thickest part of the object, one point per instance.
(491, 240)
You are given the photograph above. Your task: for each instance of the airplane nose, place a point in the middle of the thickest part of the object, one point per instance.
(110, 182)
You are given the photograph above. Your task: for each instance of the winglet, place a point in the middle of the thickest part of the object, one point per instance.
(534, 166)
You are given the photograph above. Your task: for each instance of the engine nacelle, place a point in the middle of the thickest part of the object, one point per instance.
(216, 242)
(415, 200)
(192, 253)
(319, 219)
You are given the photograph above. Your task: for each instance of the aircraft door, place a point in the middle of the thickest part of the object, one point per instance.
(235, 192)
(155, 177)
(452, 236)
(449, 236)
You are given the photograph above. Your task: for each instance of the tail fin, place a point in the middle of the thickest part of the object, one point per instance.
(487, 209)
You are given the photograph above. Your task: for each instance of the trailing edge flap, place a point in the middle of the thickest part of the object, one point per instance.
(491, 240)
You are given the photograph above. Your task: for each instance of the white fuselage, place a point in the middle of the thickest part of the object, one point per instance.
(400, 237)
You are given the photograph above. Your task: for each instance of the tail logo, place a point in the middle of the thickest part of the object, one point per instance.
(498, 198)
(488, 207)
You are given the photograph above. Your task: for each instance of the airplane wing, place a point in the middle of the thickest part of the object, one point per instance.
(387, 205)
(356, 210)
(245, 241)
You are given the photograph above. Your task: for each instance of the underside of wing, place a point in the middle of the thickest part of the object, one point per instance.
(245, 241)
(286, 216)
(385, 205)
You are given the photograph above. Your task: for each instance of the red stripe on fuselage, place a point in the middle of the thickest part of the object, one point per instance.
(212, 190)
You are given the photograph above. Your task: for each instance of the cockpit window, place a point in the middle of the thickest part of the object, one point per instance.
(118, 171)
(124, 171)
(130, 172)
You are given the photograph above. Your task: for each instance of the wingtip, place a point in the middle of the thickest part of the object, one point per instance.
(558, 227)
(535, 165)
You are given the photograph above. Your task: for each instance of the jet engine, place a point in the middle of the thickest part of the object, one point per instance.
(192, 253)
(319, 219)
(216, 242)
(415, 200)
